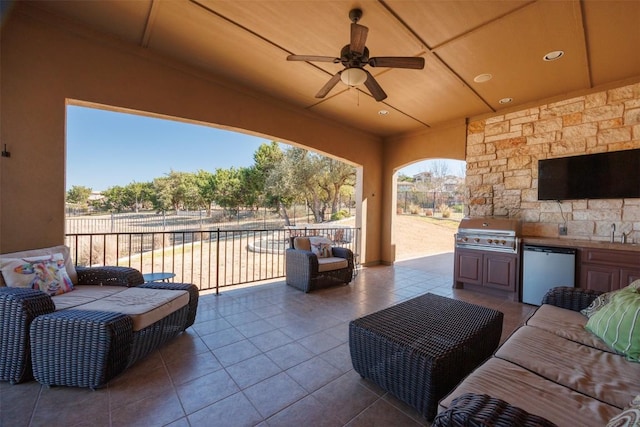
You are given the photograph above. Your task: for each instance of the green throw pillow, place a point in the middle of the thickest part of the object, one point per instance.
(604, 299)
(618, 323)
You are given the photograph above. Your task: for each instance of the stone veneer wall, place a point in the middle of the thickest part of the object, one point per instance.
(503, 153)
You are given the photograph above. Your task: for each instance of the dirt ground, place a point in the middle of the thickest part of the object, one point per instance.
(419, 236)
(416, 236)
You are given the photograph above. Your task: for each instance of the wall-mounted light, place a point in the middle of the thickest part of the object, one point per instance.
(353, 76)
(5, 153)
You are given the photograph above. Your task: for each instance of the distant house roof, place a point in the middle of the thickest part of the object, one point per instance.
(95, 195)
(406, 186)
(422, 176)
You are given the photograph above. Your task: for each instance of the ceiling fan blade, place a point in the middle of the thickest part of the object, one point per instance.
(416, 63)
(358, 38)
(312, 58)
(329, 85)
(374, 88)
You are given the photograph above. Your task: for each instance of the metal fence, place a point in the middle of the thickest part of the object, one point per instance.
(145, 222)
(162, 221)
(210, 259)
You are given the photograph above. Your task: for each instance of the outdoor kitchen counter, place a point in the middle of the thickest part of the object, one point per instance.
(602, 266)
(576, 243)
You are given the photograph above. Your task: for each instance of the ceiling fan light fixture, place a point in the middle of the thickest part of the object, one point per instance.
(353, 76)
(552, 56)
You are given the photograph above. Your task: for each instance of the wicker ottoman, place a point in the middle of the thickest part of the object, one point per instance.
(420, 349)
(80, 348)
(86, 348)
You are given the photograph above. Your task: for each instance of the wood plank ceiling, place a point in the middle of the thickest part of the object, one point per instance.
(247, 42)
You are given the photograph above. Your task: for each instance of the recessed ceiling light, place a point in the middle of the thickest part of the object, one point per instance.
(505, 100)
(383, 112)
(552, 56)
(481, 78)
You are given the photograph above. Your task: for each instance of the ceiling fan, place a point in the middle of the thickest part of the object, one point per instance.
(354, 57)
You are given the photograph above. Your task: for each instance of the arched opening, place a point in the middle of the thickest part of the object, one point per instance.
(156, 177)
(428, 207)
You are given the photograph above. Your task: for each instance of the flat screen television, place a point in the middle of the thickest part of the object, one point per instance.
(613, 175)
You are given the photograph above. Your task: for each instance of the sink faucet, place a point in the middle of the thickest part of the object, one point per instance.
(623, 238)
(613, 232)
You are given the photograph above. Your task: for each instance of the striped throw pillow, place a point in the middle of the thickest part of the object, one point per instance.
(604, 299)
(618, 323)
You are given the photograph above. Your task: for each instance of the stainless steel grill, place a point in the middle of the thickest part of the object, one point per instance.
(490, 234)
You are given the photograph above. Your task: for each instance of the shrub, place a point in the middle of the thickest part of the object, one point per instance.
(343, 213)
(428, 212)
(445, 210)
(414, 210)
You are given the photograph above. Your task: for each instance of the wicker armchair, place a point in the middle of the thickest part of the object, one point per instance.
(19, 307)
(305, 271)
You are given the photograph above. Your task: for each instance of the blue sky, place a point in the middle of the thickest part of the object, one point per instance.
(106, 148)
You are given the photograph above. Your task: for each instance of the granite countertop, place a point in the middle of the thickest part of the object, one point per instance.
(576, 243)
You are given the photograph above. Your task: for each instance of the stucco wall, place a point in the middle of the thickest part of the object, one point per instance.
(503, 153)
(446, 141)
(46, 62)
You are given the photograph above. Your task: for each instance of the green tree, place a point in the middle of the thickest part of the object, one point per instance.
(281, 186)
(177, 190)
(115, 198)
(228, 188)
(78, 194)
(206, 189)
(316, 179)
(138, 194)
(338, 175)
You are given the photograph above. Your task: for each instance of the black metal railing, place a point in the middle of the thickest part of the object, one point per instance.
(211, 259)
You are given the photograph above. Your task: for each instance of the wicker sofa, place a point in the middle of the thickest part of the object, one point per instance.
(78, 338)
(308, 268)
(550, 371)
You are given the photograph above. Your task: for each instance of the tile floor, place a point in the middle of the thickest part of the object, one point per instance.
(265, 355)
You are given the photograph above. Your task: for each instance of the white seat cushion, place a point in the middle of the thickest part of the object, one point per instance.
(331, 263)
(144, 306)
(84, 294)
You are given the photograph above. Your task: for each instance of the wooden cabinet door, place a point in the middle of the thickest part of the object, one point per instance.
(468, 267)
(599, 277)
(500, 271)
(628, 275)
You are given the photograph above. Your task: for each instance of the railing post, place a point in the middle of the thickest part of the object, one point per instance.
(218, 261)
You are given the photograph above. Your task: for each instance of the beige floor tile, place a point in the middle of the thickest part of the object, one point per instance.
(266, 355)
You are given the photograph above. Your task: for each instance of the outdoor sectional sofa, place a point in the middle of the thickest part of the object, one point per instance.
(86, 336)
(553, 371)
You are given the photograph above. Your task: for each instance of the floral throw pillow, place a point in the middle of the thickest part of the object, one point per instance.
(630, 417)
(321, 247)
(45, 273)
